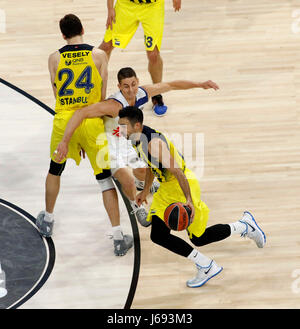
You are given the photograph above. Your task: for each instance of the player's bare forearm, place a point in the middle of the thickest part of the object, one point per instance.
(163, 87)
(110, 108)
(73, 123)
(90, 111)
(149, 177)
(110, 4)
(185, 186)
(186, 84)
(142, 196)
(183, 182)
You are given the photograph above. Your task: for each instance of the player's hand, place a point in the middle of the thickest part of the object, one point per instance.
(141, 197)
(61, 152)
(209, 84)
(189, 203)
(111, 18)
(177, 5)
(82, 153)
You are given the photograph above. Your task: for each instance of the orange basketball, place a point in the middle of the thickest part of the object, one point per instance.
(177, 216)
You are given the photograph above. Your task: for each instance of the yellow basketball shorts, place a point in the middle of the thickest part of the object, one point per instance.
(170, 192)
(128, 17)
(89, 136)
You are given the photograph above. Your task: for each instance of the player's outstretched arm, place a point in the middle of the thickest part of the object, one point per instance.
(162, 87)
(111, 14)
(109, 107)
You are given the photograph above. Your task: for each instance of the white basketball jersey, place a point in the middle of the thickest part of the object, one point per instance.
(111, 124)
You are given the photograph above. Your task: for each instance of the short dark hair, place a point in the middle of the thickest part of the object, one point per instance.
(126, 72)
(133, 114)
(70, 26)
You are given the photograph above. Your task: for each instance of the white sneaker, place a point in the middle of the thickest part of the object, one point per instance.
(122, 246)
(204, 274)
(45, 227)
(253, 231)
(140, 186)
(155, 186)
(141, 214)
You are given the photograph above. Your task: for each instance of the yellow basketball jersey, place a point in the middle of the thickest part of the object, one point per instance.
(77, 80)
(162, 173)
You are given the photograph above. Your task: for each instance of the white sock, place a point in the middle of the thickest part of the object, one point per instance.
(199, 258)
(117, 232)
(237, 227)
(49, 217)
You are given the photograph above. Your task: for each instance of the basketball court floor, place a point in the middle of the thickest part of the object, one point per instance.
(248, 148)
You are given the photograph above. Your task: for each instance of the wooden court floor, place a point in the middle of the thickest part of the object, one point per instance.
(250, 130)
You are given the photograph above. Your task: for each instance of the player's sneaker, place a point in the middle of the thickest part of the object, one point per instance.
(159, 108)
(45, 227)
(253, 231)
(204, 274)
(154, 187)
(141, 214)
(122, 246)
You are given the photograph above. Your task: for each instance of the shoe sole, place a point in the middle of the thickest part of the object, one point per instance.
(265, 240)
(147, 225)
(159, 115)
(201, 284)
(45, 236)
(122, 253)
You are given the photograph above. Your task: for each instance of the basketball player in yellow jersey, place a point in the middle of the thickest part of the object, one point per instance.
(122, 22)
(78, 76)
(179, 184)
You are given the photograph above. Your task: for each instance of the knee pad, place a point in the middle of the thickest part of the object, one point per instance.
(105, 181)
(56, 169)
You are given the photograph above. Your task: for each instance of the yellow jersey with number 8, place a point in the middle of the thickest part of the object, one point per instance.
(77, 80)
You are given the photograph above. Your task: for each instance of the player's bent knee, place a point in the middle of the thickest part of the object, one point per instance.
(124, 177)
(105, 181)
(56, 169)
(129, 184)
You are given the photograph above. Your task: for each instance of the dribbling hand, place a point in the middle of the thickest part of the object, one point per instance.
(189, 203)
